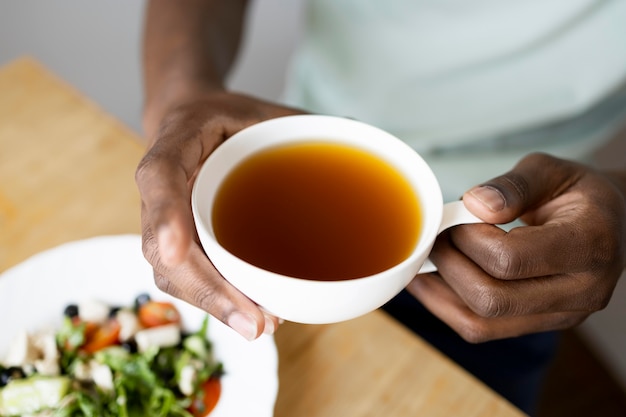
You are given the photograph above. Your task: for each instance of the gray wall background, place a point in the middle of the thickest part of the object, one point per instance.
(95, 46)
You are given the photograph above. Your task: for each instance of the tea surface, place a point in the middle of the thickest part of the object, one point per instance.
(317, 211)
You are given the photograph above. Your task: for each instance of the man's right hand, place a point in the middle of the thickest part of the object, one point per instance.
(177, 147)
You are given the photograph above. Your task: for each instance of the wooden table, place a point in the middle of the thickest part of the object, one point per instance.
(66, 173)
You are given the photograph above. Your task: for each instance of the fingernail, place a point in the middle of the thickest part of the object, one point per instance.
(269, 326)
(244, 324)
(489, 196)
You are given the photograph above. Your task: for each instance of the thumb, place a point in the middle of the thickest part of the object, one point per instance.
(536, 179)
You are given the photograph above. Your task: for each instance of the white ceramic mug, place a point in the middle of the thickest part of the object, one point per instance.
(306, 300)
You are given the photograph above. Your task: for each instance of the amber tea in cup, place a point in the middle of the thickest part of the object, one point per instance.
(317, 210)
(319, 219)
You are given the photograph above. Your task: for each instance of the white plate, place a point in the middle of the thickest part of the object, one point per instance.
(34, 294)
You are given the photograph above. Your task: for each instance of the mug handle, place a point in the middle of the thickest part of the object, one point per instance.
(454, 213)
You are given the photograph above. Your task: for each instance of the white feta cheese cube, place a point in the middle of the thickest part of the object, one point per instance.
(22, 351)
(129, 324)
(162, 336)
(93, 311)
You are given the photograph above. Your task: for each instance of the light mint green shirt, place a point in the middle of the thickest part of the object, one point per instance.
(472, 85)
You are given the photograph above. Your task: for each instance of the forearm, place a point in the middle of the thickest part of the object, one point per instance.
(189, 46)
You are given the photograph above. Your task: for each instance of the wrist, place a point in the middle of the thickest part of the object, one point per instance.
(162, 101)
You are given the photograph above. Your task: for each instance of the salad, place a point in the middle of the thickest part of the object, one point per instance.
(112, 361)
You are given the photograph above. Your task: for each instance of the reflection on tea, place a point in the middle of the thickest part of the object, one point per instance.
(317, 210)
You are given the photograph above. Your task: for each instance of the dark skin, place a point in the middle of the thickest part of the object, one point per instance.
(490, 284)
(550, 275)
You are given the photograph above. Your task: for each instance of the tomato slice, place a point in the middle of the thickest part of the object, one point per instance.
(108, 334)
(90, 329)
(158, 313)
(207, 398)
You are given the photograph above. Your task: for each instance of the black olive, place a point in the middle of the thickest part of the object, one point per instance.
(71, 311)
(130, 346)
(11, 373)
(113, 311)
(141, 299)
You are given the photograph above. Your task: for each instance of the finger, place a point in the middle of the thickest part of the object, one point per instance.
(444, 303)
(218, 299)
(247, 325)
(491, 297)
(168, 222)
(164, 178)
(271, 322)
(545, 192)
(197, 282)
(530, 251)
(165, 174)
(534, 180)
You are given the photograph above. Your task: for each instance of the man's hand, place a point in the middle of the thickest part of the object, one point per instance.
(182, 142)
(548, 275)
